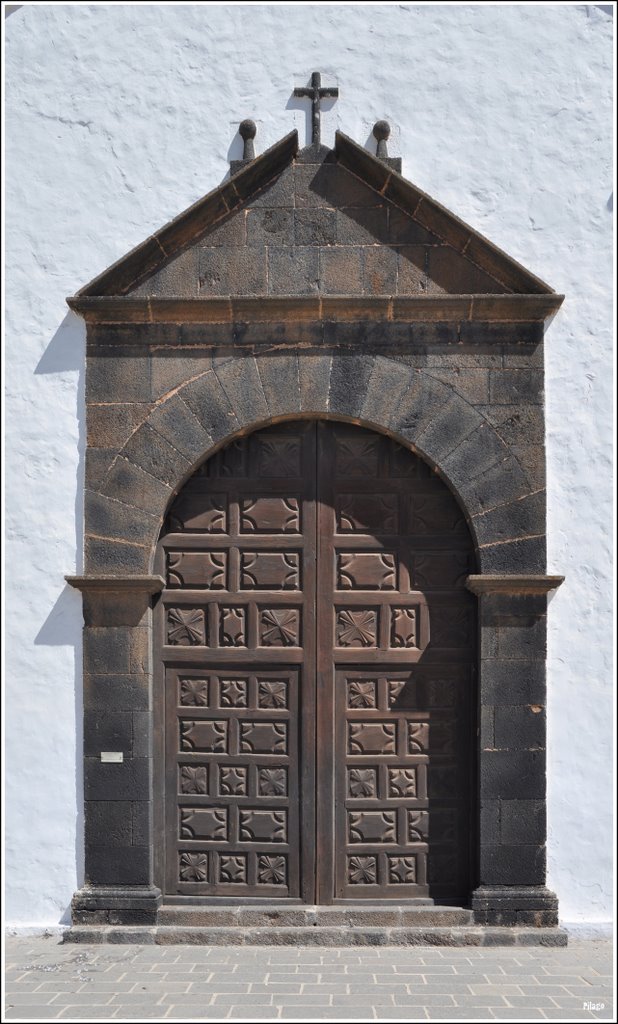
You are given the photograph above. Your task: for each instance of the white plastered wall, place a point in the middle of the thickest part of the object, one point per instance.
(120, 116)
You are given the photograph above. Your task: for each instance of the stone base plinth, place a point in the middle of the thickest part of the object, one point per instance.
(500, 905)
(116, 905)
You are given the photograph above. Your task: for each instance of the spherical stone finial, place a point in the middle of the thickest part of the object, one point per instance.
(247, 129)
(381, 130)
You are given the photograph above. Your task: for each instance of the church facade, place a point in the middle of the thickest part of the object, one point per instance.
(315, 577)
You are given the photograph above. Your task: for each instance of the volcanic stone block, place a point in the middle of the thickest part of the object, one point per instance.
(270, 227)
(241, 382)
(348, 384)
(504, 683)
(226, 270)
(125, 780)
(531, 458)
(522, 518)
(379, 270)
(115, 558)
(109, 426)
(419, 406)
(293, 270)
(209, 403)
(341, 272)
(277, 194)
(487, 740)
(98, 465)
(279, 376)
(490, 822)
(118, 375)
(134, 486)
(515, 387)
(483, 449)
(512, 774)
(361, 225)
(152, 453)
(520, 728)
(517, 425)
(472, 385)
(330, 185)
(483, 489)
(412, 270)
(522, 822)
(527, 555)
(142, 734)
(141, 821)
(121, 691)
(231, 231)
(107, 730)
(388, 384)
(108, 822)
(174, 421)
(108, 518)
(108, 650)
(314, 227)
(513, 865)
(314, 378)
(525, 641)
(122, 865)
(453, 422)
(178, 277)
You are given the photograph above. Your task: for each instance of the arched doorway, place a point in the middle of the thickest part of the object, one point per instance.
(316, 651)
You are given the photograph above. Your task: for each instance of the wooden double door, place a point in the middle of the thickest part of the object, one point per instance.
(316, 648)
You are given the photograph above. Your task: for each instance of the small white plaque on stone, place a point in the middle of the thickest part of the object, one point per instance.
(110, 756)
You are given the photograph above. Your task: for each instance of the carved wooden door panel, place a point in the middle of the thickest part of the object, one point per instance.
(315, 577)
(395, 709)
(239, 651)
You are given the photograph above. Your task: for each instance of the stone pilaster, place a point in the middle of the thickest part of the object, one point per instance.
(512, 751)
(117, 751)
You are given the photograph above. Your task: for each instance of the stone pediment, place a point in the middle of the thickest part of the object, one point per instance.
(317, 226)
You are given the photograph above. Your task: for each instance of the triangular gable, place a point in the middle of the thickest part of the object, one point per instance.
(315, 223)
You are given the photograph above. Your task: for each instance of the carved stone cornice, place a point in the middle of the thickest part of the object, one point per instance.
(116, 584)
(112, 309)
(513, 584)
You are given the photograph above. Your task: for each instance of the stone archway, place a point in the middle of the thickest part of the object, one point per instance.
(129, 495)
(315, 652)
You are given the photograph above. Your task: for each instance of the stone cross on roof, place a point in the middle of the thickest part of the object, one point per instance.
(315, 92)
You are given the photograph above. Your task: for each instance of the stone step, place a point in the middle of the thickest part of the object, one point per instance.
(420, 916)
(318, 935)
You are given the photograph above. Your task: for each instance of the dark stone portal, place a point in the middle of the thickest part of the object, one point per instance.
(315, 300)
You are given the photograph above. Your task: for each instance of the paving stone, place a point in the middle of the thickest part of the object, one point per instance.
(85, 999)
(538, 1001)
(555, 1015)
(31, 1012)
(431, 999)
(398, 1013)
(228, 999)
(495, 990)
(139, 1011)
(472, 977)
(21, 998)
(478, 1013)
(269, 1012)
(310, 1011)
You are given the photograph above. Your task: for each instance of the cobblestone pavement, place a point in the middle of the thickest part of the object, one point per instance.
(46, 980)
